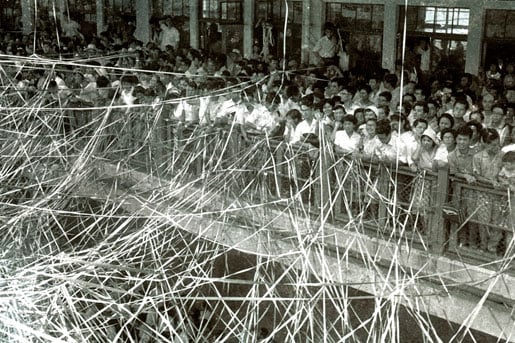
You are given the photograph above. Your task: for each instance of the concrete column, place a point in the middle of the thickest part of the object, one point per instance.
(474, 39)
(248, 27)
(143, 14)
(100, 16)
(391, 18)
(27, 16)
(306, 21)
(167, 6)
(194, 24)
(316, 21)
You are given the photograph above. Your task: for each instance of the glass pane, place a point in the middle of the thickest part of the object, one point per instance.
(363, 18)
(460, 21)
(509, 31)
(448, 54)
(441, 20)
(297, 12)
(333, 10)
(263, 10)
(377, 17)
(230, 11)
(277, 11)
(205, 8)
(348, 16)
(176, 8)
(213, 9)
(427, 19)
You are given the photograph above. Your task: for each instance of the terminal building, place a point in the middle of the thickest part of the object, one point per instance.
(142, 170)
(468, 34)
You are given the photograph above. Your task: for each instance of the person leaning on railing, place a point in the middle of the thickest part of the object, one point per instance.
(460, 165)
(506, 179)
(486, 167)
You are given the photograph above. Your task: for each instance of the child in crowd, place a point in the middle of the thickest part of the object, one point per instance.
(423, 160)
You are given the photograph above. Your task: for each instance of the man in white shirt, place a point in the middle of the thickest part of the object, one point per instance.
(389, 148)
(169, 34)
(347, 140)
(327, 47)
(309, 125)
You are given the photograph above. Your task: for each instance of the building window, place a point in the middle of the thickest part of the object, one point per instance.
(500, 24)
(231, 11)
(210, 9)
(221, 29)
(436, 39)
(360, 28)
(361, 18)
(174, 8)
(121, 7)
(275, 11)
(271, 15)
(10, 15)
(437, 20)
(499, 38)
(86, 9)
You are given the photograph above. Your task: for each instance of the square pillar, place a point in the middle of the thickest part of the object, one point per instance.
(391, 18)
(143, 14)
(100, 16)
(248, 27)
(194, 24)
(474, 39)
(306, 45)
(27, 16)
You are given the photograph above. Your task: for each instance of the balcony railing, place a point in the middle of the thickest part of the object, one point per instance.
(432, 210)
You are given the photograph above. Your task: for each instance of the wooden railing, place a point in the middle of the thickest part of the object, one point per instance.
(430, 209)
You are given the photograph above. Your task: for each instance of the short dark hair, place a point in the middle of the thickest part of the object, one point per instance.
(489, 135)
(307, 100)
(350, 118)
(423, 104)
(337, 107)
(295, 115)
(447, 130)
(509, 156)
(464, 131)
(383, 127)
(420, 120)
(392, 79)
(387, 95)
(463, 101)
(448, 116)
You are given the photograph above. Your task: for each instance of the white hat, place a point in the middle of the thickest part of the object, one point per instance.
(372, 108)
(431, 134)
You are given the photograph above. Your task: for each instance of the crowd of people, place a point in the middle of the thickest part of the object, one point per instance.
(461, 121)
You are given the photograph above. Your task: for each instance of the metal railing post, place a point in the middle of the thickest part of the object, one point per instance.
(437, 235)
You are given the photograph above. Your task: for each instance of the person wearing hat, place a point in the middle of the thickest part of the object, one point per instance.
(423, 160)
(423, 156)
